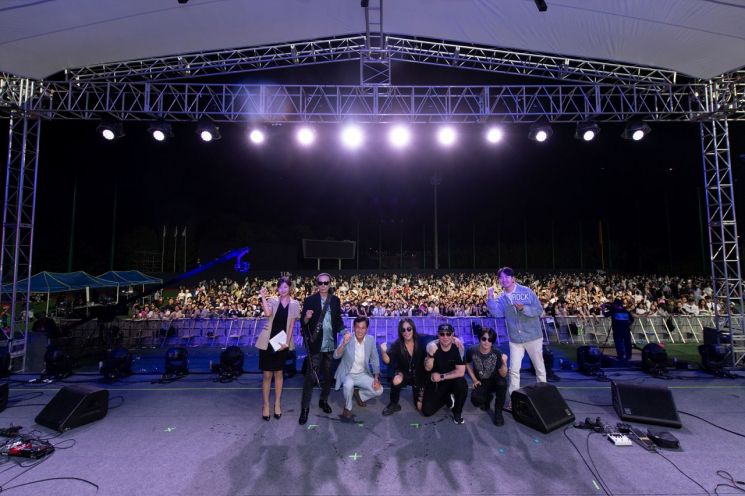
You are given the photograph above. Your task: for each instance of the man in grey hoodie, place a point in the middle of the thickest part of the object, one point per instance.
(521, 310)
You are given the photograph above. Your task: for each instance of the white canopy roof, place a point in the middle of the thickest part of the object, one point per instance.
(700, 38)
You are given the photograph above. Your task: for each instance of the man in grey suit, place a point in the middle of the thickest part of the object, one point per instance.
(359, 367)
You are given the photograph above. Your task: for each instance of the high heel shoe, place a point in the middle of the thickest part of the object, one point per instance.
(278, 416)
(265, 417)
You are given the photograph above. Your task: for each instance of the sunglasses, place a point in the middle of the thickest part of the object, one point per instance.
(485, 338)
(445, 333)
(407, 329)
(323, 283)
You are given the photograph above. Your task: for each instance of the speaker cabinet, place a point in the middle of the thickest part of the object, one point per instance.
(541, 407)
(74, 406)
(4, 390)
(645, 404)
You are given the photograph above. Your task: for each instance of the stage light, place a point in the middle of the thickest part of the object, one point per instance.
(58, 364)
(587, 131)
(306, 136)
(117, 364)
(715, 358)
(110, 130)
(654, 359)
(231, 364)
(176, 362)
(636, 130)
(257, 136)
(208, 132)
(494, 134)
(351, 136)
(540, 132)
(160, 131)
(446, 136)
(589, 360)
(399, 136)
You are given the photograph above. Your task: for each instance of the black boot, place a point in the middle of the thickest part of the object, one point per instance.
(303, 416)
(324, 405)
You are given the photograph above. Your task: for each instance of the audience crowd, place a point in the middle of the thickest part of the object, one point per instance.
(449, 295)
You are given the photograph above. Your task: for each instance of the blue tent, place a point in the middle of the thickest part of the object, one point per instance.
(43, 282)
(129, 277)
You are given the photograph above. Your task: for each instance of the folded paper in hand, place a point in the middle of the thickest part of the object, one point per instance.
(278, 340)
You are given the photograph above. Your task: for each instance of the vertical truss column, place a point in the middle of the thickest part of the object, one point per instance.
(18, 226)
(375, 61)
(726, 276)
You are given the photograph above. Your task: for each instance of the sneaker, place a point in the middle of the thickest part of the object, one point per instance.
(452, 401)
(391, 409)
(458, 420)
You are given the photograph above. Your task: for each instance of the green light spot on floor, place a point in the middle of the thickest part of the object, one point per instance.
(312, 426)
(169, 429)
(415, 425)
(355, 456)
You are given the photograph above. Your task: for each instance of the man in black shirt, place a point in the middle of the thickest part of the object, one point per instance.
(621, 321)
(406, 358)
(446, 384)
(487, 366)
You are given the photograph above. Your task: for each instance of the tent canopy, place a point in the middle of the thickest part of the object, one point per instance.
(129, 277)
(699, 38)
(57, 282)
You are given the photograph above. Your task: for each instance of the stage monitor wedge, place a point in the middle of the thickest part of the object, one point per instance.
(74, 406)
(645, 404)
(541, 407)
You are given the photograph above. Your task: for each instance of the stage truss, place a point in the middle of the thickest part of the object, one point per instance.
(570, 90)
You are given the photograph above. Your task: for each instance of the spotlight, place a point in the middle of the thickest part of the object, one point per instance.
(351, 136)
(231, 364)
(636, 130)
(654, 359)
(589, 360)
(446, 136)
(117, 364)
(256, 136)
(541, 5)
(494, 134)
(160, 131)
(208, 132)
(586, 131)
(399, 136)
(176, 362)
(306, 136)
(110, 129)
(540, 132)
(714, 359)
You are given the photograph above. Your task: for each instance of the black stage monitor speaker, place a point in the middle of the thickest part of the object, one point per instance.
(541, 407)
(4, 390)
(74, 406)
(645, 404)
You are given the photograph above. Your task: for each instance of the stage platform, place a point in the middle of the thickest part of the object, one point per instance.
(196, 436)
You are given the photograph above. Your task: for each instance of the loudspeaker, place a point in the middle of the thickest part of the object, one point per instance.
(74, 406)
(645, 404)
(541, 407)
(4, 389)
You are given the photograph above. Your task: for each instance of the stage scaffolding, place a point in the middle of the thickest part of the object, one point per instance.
(570, 90)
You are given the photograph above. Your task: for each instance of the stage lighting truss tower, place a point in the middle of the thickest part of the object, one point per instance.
(724, 251)
(375, 61)
(18, 220)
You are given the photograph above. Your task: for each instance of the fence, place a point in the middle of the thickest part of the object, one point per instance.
(244, 331)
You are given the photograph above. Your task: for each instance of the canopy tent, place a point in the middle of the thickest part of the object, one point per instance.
(698, 38)
(129, 277)
(57, 282)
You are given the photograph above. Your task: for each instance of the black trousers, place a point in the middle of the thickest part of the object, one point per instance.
(482, 395)
(408, 380)
(622, 338)
(437, 394)
(321, 362)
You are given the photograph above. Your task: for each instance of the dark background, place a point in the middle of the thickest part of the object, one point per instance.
(515, 196)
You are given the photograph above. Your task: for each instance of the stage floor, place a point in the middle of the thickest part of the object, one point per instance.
(199, 437)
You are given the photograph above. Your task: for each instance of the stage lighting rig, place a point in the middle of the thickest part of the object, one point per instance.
(587, 131)
(116, 365)
(494, 134)
(208, 131)
(231, 364)
(306, 136)
(636, 130)
(714, 360)
(654, 360)
(540, 132)
(160, 131)
(446, 136)
(257, 136)
(110, 129)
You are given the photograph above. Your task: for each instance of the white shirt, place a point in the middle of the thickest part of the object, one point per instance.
(358, 366)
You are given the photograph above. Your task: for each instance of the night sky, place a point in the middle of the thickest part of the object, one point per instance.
(229, 193)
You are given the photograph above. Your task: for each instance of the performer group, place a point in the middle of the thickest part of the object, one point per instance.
(435, 369)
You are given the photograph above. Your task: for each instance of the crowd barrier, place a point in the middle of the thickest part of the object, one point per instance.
(224, 332)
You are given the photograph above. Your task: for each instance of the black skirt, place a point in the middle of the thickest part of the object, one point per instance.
(272, 361)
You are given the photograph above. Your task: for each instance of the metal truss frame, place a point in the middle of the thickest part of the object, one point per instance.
(327, 103)
(375, 61)
(18, 225)
(724, 252)
(376, 48)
